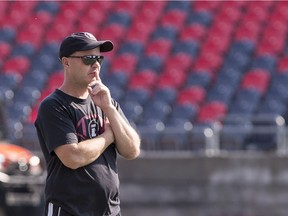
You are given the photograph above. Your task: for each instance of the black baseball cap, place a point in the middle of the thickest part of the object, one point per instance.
(82, 41)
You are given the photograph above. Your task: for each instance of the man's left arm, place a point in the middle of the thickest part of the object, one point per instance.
(126, 138)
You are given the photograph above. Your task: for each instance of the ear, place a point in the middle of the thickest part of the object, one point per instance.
(65, 61)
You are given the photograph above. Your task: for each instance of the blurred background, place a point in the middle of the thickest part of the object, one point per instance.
(204, 82)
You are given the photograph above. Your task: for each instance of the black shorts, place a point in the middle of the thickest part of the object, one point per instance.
(54, 210)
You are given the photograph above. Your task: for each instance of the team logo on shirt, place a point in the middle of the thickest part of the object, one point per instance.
(93, 128)
(89, 127)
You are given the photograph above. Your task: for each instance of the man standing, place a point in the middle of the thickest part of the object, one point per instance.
(81, 129)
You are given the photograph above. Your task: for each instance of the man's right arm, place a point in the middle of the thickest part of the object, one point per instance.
(77, 155)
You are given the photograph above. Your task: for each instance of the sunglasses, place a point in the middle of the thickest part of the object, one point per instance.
(90, 59)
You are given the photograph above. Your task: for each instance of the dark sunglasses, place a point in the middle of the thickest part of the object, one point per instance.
(90, 59)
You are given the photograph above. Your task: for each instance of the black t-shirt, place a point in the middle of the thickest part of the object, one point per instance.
(92, 190)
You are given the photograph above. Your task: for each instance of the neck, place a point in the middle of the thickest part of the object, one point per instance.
(74, 91)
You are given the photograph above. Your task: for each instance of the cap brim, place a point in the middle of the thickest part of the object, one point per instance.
(105, 46)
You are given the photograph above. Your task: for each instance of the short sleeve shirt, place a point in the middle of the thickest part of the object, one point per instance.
(91, 190)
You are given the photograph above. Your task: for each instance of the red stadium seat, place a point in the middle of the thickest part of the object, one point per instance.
(160, 47)
(173, 18)
(143, 79)
(193, 32)
(208, 61)
(113, 32)
(248, 30)
(3, 8)
(174, 80)
(282, 66)
(229, 12)
(209, 6)
(126, 63)
(212, 111)
(257, 79)
(5, 50)
(129, 7)
(216, 43)
(17, 64)
(55, 80)
(194, 95)
(178, 62)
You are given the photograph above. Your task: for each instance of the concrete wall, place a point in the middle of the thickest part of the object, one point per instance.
(172, 184)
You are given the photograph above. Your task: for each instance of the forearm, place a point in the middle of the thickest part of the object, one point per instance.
(85, 152)
(126, 138)
(89, 150)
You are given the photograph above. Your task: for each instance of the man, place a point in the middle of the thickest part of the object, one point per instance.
(80, 129)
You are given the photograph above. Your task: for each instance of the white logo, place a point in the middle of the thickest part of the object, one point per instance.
(89, 35)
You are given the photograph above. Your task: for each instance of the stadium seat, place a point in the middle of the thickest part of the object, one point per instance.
(191, 95)
(278, 88)
(192, 32)
(179, 5)
(117, 92)
(230, 11)
(133, 47)
(121, 18)
(221, 92)
(35, 78)
(3, 8)
(143, 79)
(248, 31)
(132, 110)
(282, 65)
(272, 106)
(264, 62)
(153, 62)
(126, 63)
(188, 47)
(216, 43)
(166, 94)
(156, 110)
(178, 62)
(166, 32)
(257, 79)
(173, 79)
(7, 33)
(51, 7)
(208, 61)
(17, 64)
(198, 78)
(159, 47)
(173, 18)
(246, 102)
(126, 7)
(139, 95)
(27, 94)
(5, 49)
(205, 6)
(200, 17)
(212, 111)
(113, 32)
(186, 111)
(237, 60)
(23, 49)
(229, 76)
(10, 80)
(242, 46)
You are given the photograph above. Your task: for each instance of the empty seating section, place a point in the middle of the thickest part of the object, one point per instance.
(175, 63)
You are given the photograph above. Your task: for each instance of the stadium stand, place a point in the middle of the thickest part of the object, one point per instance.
(175, 63)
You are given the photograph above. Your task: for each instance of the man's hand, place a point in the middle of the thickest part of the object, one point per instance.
(100, 95)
